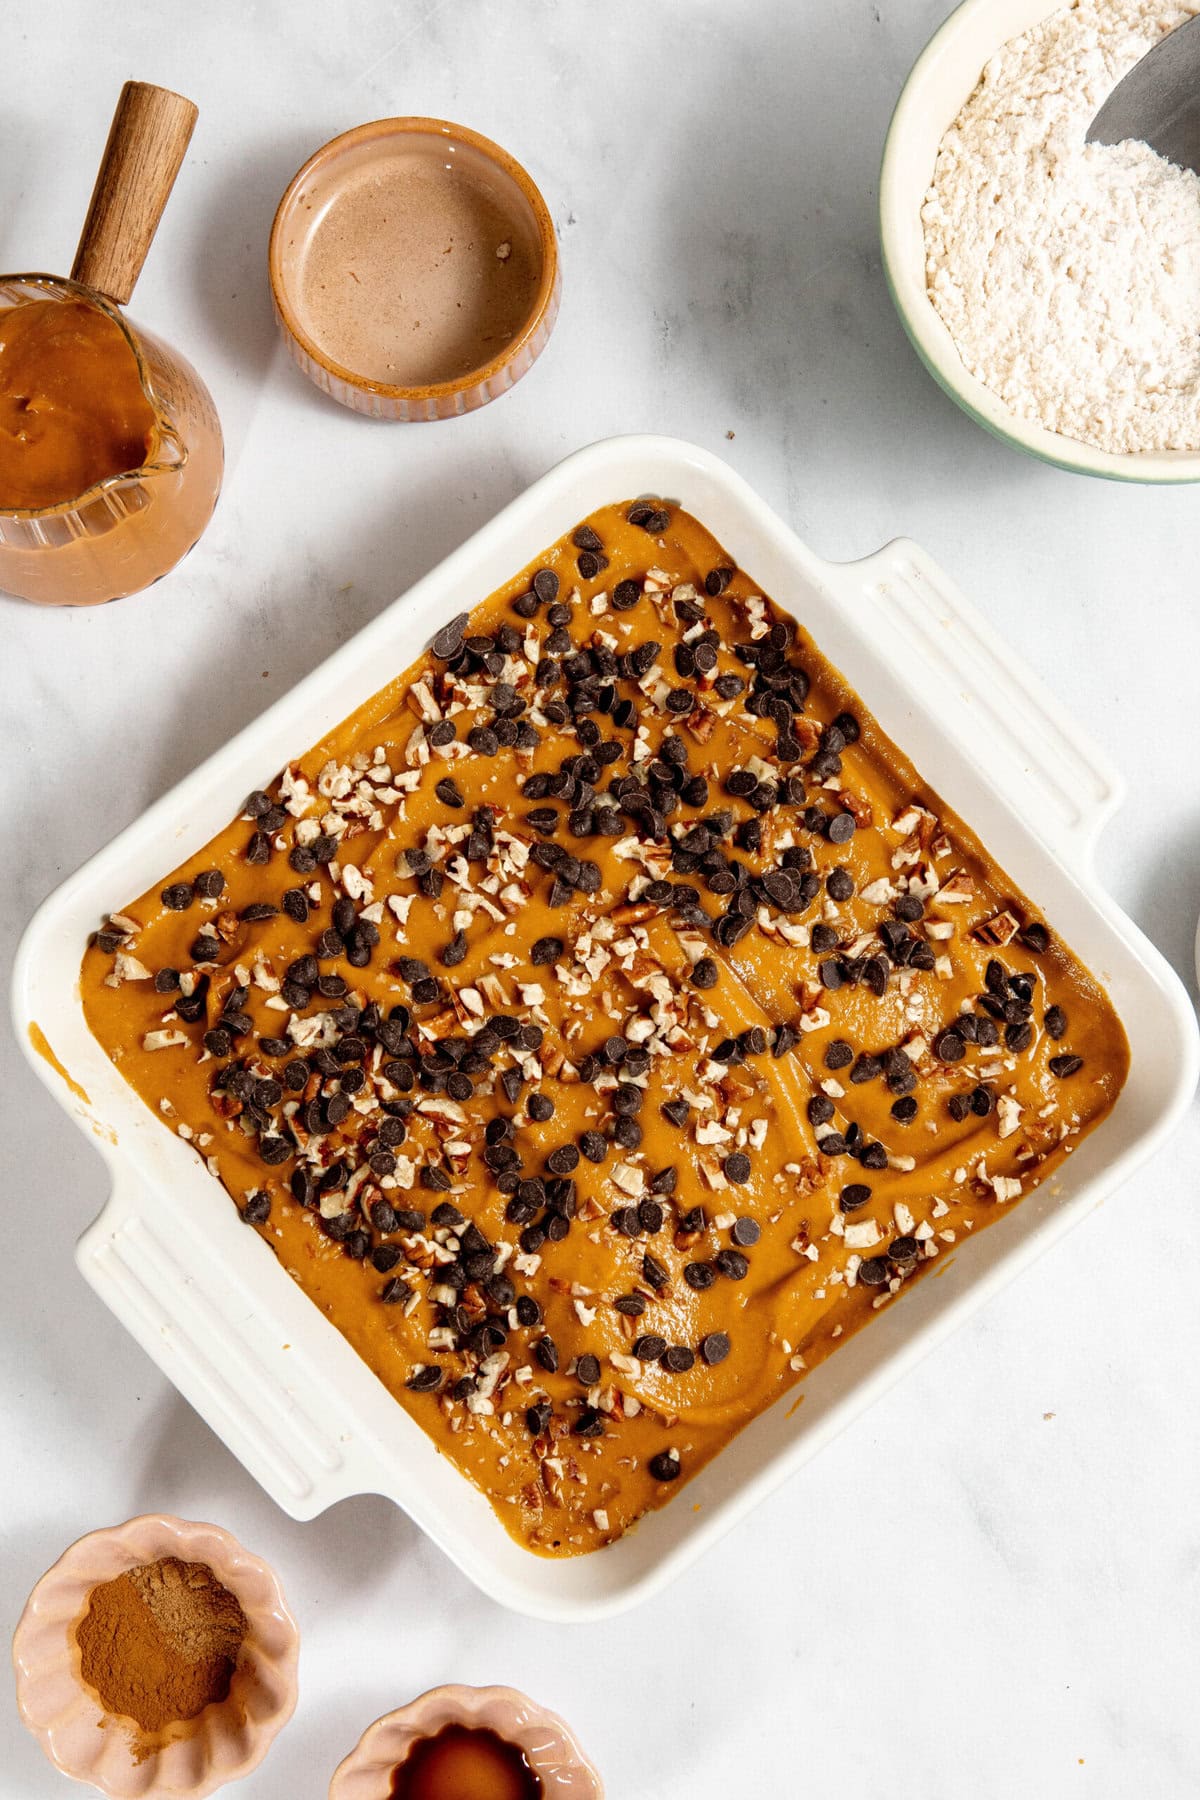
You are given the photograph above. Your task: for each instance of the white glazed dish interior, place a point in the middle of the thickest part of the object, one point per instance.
(206, 1298)
(942, 79)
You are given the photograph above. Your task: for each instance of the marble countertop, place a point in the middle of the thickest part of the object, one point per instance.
(989, 1585)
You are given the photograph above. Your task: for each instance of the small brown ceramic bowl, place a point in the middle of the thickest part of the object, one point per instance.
(414, 269)
(548, 1742)
(191, 1759)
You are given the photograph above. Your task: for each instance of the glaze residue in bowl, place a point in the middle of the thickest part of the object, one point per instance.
(414, 269)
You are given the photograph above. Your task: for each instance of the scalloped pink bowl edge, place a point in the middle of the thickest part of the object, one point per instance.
(549, 1743)
(84, 1742)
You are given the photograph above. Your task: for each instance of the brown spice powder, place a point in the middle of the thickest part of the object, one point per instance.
(161, 1642)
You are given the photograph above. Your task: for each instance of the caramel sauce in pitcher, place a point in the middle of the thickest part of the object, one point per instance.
(464, 1763)
(110, 457)
(72, 408)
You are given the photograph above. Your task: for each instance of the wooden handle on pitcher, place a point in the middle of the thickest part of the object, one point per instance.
(147, 141)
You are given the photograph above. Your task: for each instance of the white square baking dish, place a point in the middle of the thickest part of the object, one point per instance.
(221, 1318)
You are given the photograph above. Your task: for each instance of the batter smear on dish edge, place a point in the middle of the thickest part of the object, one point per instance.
(603, 1023)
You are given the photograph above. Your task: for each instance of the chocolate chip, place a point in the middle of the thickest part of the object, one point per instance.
(1035, 937)
(1062, 1066)
(179, 896)
(745, 1232)
(483, 740)
(732, 1264)
(679, 1359)
(257, 1209)
(546, 950)
(1055, 1021)
(838, 1054)
(449, 640)
(258, 850)
(841, 828)
(904, 1111)
(1019, 1035)
(545, 1351)
(540, 1107)
(209, 883)
(737, 1167)
(584, 538)
(455, 951)
(426, 1380)
(590, 1423)
(652, 519)
(166, 981)
(666, 1466)
(594, 1146)
(653, 1270)
(449, 792)
(676, 1112)
(866, 1068)
(949, 1045)
(529, 1313)
(855, 1195)
(872, 1271)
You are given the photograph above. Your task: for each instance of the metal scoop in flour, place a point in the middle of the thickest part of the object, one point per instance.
(1159, 100)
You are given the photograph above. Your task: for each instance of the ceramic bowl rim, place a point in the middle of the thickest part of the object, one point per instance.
(922, 95)
(402, 126)
(148, 1536)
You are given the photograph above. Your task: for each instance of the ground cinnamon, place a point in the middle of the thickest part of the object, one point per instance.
(161, 1642)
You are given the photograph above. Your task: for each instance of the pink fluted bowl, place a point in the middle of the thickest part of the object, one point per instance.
(548, 1742)
(197, 1756)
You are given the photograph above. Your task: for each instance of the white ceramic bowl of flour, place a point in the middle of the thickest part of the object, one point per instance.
(943, 79)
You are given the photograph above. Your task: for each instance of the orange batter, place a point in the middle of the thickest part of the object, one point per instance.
(72, 407)
(594, 1103)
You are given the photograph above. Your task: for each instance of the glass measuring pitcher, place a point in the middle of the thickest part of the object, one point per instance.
(125, 531)
(125, 527)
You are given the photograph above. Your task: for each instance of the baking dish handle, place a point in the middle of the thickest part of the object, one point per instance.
(216, 1341)
(1004, 718)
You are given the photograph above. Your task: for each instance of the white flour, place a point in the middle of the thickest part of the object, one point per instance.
(1068, 274)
